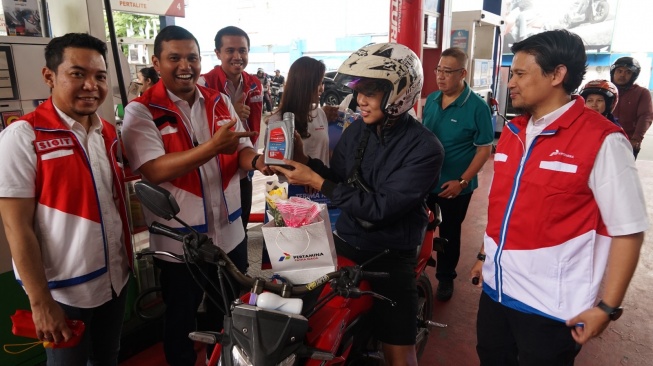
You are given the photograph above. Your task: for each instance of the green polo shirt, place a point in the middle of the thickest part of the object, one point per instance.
(464, 125)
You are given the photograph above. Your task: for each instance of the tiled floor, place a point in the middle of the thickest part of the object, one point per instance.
(628, 341)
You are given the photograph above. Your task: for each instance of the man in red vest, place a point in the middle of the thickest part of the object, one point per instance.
(188, 139)
(63, 206)
(244, 90)
(565, 207)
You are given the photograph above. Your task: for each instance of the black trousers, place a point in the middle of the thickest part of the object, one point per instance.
(246, 188)
(182, 296)
(453, 214)
(507, 337)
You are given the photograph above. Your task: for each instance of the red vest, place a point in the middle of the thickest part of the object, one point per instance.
(166, 115)
(544, 229)
(544, 193)
(217, 79)
(66, 186)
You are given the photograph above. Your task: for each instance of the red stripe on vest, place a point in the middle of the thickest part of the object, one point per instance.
(65, 183)
(550, 206)
(159, 104)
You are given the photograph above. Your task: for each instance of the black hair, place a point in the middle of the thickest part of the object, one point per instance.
(458, 54)
(172, 33)
(55, 49)
(369, 86)
(554, 48)
(305, 76)
(150, 73)
(229, 31)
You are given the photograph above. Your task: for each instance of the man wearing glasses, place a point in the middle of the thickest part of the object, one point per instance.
(461, 120)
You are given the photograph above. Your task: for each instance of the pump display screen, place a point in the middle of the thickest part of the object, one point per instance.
(8, 86)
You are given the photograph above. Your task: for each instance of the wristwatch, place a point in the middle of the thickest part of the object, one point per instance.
(480, 256)
(613, 313)
(463, 183)
(255, 160)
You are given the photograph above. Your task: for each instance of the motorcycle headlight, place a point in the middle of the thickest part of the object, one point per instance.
(289, 361)
(239, 358)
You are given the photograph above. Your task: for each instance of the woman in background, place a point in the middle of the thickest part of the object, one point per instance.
(301, 96)
(601, 96)
(147, 77)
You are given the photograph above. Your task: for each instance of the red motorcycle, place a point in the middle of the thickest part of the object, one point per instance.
(321, 323)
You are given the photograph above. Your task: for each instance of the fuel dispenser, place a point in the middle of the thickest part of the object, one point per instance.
(21, 90)
(476, 32)
(21, 85)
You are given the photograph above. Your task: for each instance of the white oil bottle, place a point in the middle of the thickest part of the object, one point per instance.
(279, 140)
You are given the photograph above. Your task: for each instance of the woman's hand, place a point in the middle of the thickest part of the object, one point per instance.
(298, 151)
(300, 174)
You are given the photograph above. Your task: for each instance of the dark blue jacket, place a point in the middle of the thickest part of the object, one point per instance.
(401, 168)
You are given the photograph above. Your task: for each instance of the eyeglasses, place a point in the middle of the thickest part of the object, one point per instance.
(447, 73)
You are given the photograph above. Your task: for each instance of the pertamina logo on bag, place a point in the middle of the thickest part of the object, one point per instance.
(300, 257)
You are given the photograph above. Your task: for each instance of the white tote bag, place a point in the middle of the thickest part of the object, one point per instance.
(301, 254)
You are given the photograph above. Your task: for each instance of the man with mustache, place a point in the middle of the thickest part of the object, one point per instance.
(63, 206)
(566, 215)
(634, 112)
(189, 140)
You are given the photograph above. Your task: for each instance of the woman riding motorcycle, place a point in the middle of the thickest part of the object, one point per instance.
(380, 173)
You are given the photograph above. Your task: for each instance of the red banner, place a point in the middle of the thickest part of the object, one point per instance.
(406, 24)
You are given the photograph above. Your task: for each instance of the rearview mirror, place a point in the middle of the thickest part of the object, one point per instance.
(157, 199)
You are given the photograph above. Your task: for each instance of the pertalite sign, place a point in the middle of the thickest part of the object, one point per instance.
(173, 8)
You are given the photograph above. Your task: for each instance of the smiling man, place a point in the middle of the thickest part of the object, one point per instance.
(188, 139)
(62, 207)
(244, 90)
(554, 225)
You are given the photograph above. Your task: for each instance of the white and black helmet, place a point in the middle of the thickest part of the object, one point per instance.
(392, 62)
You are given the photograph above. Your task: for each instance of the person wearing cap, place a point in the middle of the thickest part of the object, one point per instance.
(635, 110)
(279, 81)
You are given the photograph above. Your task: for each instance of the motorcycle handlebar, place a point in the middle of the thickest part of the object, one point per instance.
(161, 229)
(370, 275)
(203, 248)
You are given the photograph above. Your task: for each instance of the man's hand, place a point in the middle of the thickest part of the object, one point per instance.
(225, 141)
(50, 322)
(588, 324)
(451, 189)
(300, 174)
(242, 109)
(261, 167)
(477, 272)
(636, 145)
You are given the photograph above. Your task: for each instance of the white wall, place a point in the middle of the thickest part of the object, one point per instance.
(632, 33)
